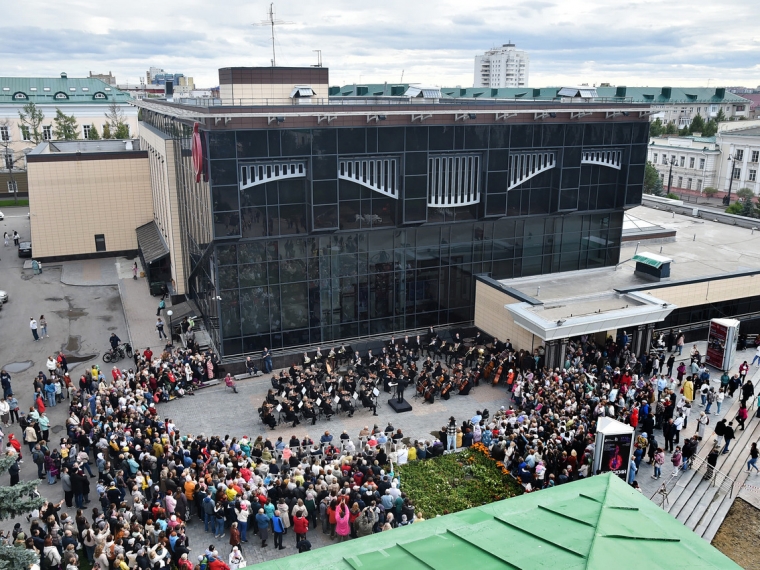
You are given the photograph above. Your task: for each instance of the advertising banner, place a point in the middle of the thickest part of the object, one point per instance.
(616, 454)
(716, 345)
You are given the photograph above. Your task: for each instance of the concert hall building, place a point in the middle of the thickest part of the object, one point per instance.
(295, 214)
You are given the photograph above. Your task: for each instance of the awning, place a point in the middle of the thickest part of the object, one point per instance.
(151, 243)
(302, 92)
(651, 259)
(585, 92)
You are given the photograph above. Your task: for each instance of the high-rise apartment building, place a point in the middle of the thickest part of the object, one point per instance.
(502, 67)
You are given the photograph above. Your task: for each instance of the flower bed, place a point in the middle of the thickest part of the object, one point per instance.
(457, 481)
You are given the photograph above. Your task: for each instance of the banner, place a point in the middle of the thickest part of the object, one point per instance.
(716, 345)
(616, 454)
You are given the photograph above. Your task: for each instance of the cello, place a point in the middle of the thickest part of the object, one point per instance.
(422, 386)
(489, 369)
(497, 376)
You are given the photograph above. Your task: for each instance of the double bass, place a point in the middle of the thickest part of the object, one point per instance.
(489, 369)
(497, 376)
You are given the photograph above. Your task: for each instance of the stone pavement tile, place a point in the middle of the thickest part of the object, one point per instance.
(89, 272)
(140, 312)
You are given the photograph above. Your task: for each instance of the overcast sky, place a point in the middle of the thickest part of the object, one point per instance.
(638, 42)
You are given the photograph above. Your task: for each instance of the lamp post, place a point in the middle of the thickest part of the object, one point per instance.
(171, 328)
(671, 161)
(732, 160)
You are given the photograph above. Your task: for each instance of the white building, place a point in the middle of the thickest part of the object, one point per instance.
(739, 140)
(694, 161)
(502, 67)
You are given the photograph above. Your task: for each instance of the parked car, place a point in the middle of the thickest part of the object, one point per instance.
(3, 297)
(2, 216)
(25, 249)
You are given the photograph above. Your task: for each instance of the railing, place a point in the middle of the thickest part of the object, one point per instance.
(389, 100)
(717, 479)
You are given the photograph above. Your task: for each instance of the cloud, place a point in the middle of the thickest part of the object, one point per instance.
(572, 41)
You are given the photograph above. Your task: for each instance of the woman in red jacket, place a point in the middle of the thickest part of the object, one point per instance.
(331, 517)
(301, 526)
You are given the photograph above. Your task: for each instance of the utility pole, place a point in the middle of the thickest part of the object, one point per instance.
(270, 22)
(732, 160)
(672, 161)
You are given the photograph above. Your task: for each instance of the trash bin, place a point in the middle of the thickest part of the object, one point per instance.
(156, 288)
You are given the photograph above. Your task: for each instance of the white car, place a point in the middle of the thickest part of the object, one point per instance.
(2, 216)
(3, 297)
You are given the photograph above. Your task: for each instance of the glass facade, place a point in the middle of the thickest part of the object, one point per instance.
(316, 235)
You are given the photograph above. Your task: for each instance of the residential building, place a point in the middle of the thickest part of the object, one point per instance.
(695, 161)
(506, 66)
(104, 189)
(327, 222)
(87, 99)
(105, 78)
(740, 141)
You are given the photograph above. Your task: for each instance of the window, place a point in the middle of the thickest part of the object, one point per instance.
(5, 134)
(662, 176)
(47, 132)
(655, 158)
(691, 162)
(702, 163)
(100, 242)
(699, 184)
(12, 186)
(8, 160)
(740, 154)
(740, 107)
(713, 108)
(24, 132)
(86, 131)
(755, 155)
(682, 161)
(737, 173)
(688, 183)
(691, 109)
(753, 175)
(680, 182)
(664, 159)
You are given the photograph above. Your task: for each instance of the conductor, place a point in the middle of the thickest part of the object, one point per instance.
(400, 386)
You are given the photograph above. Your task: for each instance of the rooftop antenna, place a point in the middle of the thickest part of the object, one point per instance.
(402, 76)
(319, 57)
(271, 22)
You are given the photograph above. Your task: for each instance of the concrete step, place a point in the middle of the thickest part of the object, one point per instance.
(680, 493)
(709, 516)
(704, 495)
(720, 514)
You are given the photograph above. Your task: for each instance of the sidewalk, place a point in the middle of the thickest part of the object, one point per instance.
(140, 311)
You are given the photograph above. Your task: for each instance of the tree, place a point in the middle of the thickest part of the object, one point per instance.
(64, 126)
(720, 117)
(655, 128)
(697, 124)
(122, 131)
(745, 194)
(107, 131)
(748, 208)
(684, 132)
(10, 160)
(18, 500)
(736, 208)
(671, 129)
(31, 118)
(93, 134)
(710, 191)
(711, 128)
(651, 179)
(117, 122)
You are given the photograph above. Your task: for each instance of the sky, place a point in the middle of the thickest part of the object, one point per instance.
(635, 43)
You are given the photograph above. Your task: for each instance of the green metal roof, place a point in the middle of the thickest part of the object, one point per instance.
(653, 95)
(599, 523)
(43, 90)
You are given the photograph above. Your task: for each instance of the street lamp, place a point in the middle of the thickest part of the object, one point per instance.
(171, 328)
(671, 161)
(732, 160)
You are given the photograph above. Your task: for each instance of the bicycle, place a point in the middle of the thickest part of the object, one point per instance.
(116, 354)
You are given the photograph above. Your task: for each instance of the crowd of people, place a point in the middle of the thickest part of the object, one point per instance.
(148, 481)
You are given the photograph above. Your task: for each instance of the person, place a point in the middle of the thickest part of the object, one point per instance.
(702, 423)
(262, 525)
(230, 383)
(342, 526)
(16, 238)
(160, 328)
(236, 559)
(632, 469)
(659, 459)
(742, 415)
(161, 307)
(680, 341)
(300, 525)
(712, 460)
(728, 435)
(134, 270)
(675, 459)
(689, 450)
(278, 528)
(752, 463)
(266, 355)
(43, 327)
(756, 359)
(6, 238)
(33, 325)
(451, 435)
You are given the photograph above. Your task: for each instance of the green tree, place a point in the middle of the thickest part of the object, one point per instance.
(31, 118)
(117, 122)
(736, 208)
(720, 117)
(745, 194)
(655, 128)
(651, 179)
(93, 134)
(107, 131)
(122, 131)
(711, 128)
(748, 208)
(671, 129)
(684, 132)
(697, 124)
(64, 127)
(16, 501)
(710, 191)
